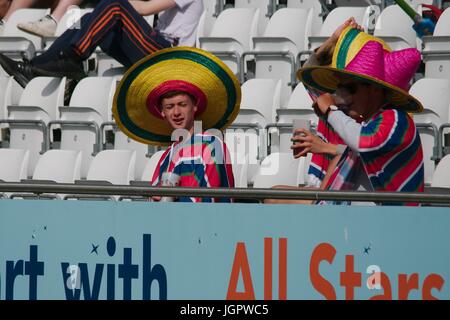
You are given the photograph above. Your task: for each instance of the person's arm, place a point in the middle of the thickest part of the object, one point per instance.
(346, 127)
(309, 142)
(146, 8)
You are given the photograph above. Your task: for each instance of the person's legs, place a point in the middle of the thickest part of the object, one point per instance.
(4, 6)
(113, 23)
(19, 4)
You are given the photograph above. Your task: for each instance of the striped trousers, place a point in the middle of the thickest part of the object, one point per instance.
(116, 27)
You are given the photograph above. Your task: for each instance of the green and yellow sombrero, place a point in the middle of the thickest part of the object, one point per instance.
(135, 106)
(366, 58)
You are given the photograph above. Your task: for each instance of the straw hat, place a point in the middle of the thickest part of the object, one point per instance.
(365, 58)
(136, 101)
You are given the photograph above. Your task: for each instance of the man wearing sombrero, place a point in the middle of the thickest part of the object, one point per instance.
(163, 94)
(384, 152)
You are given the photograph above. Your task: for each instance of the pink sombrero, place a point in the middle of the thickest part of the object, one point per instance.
(366, 58)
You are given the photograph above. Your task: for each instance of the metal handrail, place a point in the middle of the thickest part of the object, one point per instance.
(437, 150)
(441, 135)
(92, 124)
(268, 53)
(45, 130)
(236, 193)
(234, 54)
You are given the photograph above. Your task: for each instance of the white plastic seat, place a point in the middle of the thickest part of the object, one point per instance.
(262, 5)
(278, 169)
(434, 94)
(441, 176)
(316, 8)
(38, 103)
(211, 9)
(5, 95)
(5, 100)
(239, 164)
(89, 107)
(13, 164)
(395, 27)
(17, 43)
(150, 166)
(245, 144)
(299, 106)
(62, 166)
(123, 142)
(260, 99)
(276, 51)
(335, 18)
(436, 49)
(231, 35)
(114, 166)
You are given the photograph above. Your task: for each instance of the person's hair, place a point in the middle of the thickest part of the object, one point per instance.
(173, 93)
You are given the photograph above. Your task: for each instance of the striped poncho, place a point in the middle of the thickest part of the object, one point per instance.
(390, 153)
(202, 161)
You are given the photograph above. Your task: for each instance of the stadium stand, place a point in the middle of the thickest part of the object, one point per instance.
(16, 43)
(89, 107)
(228, 39)
(28, 121)
(257, 39)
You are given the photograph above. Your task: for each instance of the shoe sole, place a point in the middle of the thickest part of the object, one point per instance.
(35, 33)
(19, 77)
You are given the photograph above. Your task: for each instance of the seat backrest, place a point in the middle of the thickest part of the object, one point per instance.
(23, 15)
(340, 14)
(62, 166)
(115, 166)
(46, 93)
(299, 99)
(293, 24)
(441, 176)
(239, 162)
(394, 22)
(96, 93)
(5, 95)
(150, 166)
(123, 142)
(261, 95)
(443, 25)
(13, 164)
(277, 169)
(71, 19)
(262, 5)
(434, 94)
(240, 24)
(316, 8)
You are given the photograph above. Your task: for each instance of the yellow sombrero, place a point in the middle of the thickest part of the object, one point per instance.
(208, 79)
(363, 57)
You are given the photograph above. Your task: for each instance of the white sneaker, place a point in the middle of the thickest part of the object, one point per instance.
(44, 27)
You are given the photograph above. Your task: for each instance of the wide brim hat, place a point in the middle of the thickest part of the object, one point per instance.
(368, 59)
(136, 106)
